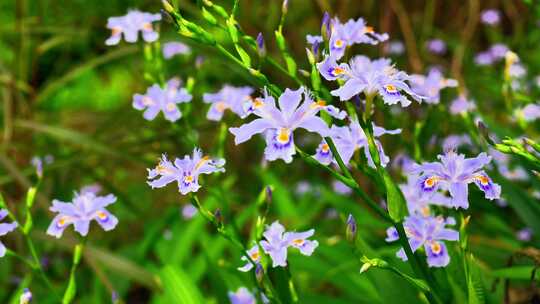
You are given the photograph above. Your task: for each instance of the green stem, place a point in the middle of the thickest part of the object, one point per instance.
(21, 258)
(71, 289)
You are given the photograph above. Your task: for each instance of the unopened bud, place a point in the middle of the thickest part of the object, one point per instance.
(259, 273)
(351, 228)
(167, 6)
(268, 195)
(218, 217)
(325, 26)
(365, 267)
(285, 6)
(261, 47)
(485, 133)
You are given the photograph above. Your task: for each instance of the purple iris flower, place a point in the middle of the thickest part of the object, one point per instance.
(184, 171)
(275, 244)
(350, 138)
(26, 296)
(349, 33)
(461, 105)
(498, 50)
(453, 173)
(341, 188)
(419, 204)
(38, 163)
(394, 47)
(241, 296)
(503, 164)
(171, 49)
(517, 70)
(525, 234)
(296, 110)
(490, 17)
(403, 162)
(189, 211)
(436, 46)
(229, 97)
(452, 142)
(315, 41)
(94, 188)
(85, 207)
(484, 58)
(130, 25)
(254, 254)
(531, 112)
(428, 232)
(5, 228)
(159, 99)
(370, 77)
(430, 86)
(277, 241)
(311, 39)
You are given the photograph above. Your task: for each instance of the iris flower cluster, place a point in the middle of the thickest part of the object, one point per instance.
(276, 244)
(427, 186)
(371, 77)
(427, 232)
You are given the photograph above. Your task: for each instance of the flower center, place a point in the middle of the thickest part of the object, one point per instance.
(188, 179)
(390, 88)
(116, 30)
(102, 215)
(221, 106)
(298, 242)
(62, 222)
(436, 247)
(430, 182)
(425, 211)
(369, 29)
(325, 148)
(338, 71)
(338, 43)
(255, 256)
(484, 180)
(170, 106)
(147, 26)
(147, 101)
(283, 135)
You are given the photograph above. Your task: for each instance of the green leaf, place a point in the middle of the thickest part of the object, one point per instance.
(178, 287)
(516, 273)
(243, 55)
(397, 208)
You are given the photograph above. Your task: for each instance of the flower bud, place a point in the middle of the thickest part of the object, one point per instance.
(259, 273)
(167, 6)
(325, 26)
(351, 228)
(268, 195)
(218, 217)
(261, 47)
